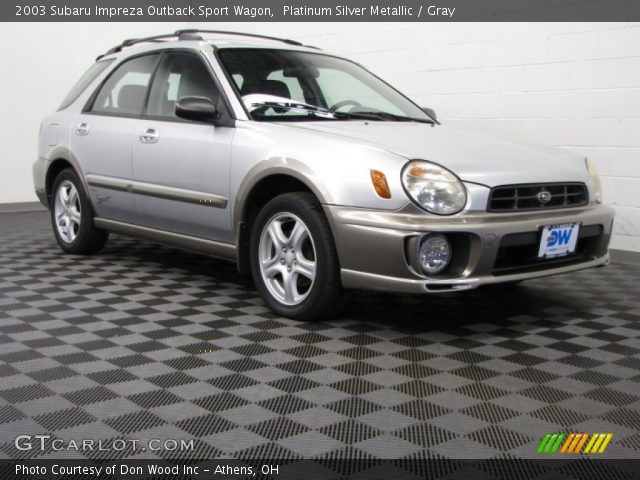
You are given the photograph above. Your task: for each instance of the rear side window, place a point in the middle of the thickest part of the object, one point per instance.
(124, 91)
(84, 81)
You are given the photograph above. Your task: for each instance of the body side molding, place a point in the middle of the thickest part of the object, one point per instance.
(158, 191)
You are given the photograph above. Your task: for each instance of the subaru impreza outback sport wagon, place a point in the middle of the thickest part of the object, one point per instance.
(308, 171)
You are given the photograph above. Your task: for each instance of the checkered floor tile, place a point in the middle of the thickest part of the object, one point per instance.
(142, 341)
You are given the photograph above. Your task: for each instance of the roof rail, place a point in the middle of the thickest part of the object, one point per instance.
(192, 34)
(180, 33)
(132, 41)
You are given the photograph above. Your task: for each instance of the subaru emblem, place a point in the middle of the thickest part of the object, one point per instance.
(544, 197)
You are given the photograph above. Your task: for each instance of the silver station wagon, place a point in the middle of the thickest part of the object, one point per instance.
(308, 171)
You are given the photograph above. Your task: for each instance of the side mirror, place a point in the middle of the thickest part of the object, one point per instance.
(431, 112)
(199, 109)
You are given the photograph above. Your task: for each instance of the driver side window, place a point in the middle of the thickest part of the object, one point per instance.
(181, 74)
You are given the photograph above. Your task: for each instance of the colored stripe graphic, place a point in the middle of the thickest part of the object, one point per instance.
(551, 442)
(568, 443)
(594, 437)
(605, 442)
(574, 443)
(598, 442)
(581, 443)
(543, 442)
(558, 442)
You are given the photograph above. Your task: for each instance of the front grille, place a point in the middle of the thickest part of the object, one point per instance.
(509, 198)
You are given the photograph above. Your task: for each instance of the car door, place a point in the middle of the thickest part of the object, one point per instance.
(103, 133)
(180, 167)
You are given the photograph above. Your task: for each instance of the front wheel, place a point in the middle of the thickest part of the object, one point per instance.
(293, 259)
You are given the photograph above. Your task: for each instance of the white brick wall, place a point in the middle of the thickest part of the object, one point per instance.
(572, 85)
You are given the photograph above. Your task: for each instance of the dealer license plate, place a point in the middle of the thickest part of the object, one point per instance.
(558, 240)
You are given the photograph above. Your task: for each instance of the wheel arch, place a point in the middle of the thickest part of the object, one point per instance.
(62, 159)
(266, 181)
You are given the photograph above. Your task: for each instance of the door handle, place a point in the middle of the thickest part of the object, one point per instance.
(82, 130)
(150, 135)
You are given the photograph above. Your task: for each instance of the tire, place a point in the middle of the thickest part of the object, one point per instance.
(72, 216)
(292, 246)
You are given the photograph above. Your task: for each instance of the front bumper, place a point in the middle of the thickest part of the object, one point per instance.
(378, 249)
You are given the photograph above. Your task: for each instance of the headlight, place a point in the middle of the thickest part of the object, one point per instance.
(433, 187)
(594, 179)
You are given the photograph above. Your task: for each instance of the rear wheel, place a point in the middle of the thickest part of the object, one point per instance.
(293, 259)
(72, 216)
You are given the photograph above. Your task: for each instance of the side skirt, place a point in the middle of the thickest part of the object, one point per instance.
(225, 251)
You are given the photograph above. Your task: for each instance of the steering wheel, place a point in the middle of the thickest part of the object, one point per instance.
(344, 103)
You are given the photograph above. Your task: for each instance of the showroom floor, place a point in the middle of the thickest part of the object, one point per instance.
(144, 341)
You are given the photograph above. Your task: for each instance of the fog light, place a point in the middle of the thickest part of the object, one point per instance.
(434, 254)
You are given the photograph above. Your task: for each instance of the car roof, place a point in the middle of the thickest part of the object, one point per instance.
(200, 38)
(229, 42)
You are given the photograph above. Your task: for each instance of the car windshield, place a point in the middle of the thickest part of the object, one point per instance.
(289, 85)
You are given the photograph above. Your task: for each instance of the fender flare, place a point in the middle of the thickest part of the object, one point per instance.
(278, 166)
(63, 153)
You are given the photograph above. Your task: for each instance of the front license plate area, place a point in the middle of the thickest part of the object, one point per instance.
(558, 240)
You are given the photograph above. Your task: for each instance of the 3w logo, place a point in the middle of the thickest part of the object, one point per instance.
(559, 237)
(574, 443)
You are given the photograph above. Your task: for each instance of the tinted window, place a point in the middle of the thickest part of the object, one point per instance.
(125, 90)
(84, 81)
(180, 75)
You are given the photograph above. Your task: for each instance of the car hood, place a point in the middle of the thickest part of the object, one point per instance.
(473, 157)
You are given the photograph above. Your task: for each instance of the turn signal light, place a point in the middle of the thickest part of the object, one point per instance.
(380, 184)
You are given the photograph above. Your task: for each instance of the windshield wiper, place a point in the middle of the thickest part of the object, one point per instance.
(259, 102)
(381, 116)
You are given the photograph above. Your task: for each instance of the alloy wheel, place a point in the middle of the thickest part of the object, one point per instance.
(67, 211)
(287, 258)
